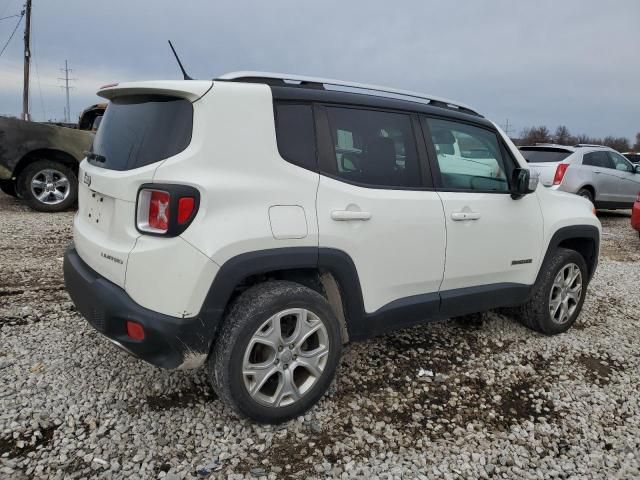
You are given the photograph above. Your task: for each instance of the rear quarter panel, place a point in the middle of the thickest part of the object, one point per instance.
(236, 166)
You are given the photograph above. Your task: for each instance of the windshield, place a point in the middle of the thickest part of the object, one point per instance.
(138, 130)
(543, 155)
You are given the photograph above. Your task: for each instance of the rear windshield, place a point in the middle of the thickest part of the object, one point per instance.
(542, 155)
(138, 130)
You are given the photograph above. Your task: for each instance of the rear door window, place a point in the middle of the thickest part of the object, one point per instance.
(139, 130)
(597, 159)
(374, 148)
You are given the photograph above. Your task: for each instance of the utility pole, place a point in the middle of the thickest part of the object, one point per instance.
(66, 70)
(507, 128)
(27, 60)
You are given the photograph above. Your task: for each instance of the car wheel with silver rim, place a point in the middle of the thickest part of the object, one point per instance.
(565, 294)
(48, 186)
(557, 296)
(277, 351)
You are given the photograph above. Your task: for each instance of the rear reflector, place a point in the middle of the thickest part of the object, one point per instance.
(135, 331)
(185, 209)
(560, 171)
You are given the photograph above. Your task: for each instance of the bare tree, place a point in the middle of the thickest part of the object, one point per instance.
(562, 136)
(533, 135)
(621, 144)
(636, 146)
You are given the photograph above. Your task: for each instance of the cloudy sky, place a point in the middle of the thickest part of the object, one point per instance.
(572, 62)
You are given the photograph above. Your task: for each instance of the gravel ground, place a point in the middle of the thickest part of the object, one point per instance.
(476, 399)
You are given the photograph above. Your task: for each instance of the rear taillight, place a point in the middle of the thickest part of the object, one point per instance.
(154, 210)
(561, 169)
(166, 210)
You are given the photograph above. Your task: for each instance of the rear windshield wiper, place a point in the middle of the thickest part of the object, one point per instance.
(95, 156)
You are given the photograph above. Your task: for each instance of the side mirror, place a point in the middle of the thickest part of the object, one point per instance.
(636, 168)
(523, 182)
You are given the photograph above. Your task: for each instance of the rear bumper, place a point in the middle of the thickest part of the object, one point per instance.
(169, 342)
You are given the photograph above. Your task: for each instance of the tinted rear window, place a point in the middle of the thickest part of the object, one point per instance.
(543, 155)
(138, 130)
(296, 135)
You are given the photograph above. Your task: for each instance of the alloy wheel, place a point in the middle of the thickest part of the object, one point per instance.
(565, 294)
(50, 186)
(285, 357)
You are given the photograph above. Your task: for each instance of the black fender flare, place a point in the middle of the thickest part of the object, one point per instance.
(238, 268)
(575, 232)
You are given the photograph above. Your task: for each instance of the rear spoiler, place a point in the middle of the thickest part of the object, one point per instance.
(192, 90)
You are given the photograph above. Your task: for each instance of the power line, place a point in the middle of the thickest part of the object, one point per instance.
(11, 16)
(12, 34)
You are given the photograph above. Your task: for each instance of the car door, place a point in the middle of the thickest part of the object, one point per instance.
(376, 203)
(629, 180)
(493, 240)
(602, 175)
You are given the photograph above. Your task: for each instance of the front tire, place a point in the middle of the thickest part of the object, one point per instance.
(277, 352)
(48, 186)
(558, 295)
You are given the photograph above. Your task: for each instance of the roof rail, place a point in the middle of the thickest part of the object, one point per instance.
(588, 145)
(306, 81)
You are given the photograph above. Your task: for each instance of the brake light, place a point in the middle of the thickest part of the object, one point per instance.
(561, 169)
(153, 211)
(185, 209)
(166, 209)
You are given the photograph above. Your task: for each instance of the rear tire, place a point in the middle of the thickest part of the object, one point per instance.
(48, 186)
(586, 193)
(558, 295)
(8, 187)
(276, 353)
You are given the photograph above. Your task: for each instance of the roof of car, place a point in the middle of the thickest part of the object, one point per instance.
(320, 84)
(549, 146)
(565, 148)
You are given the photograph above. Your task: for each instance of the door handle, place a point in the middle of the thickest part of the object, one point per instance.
(346, 215)
(461, 216)
(597, 172)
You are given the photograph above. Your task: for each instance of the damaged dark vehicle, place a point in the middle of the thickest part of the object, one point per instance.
(39, 161)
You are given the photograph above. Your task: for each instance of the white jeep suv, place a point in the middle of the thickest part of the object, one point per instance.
(257, 222)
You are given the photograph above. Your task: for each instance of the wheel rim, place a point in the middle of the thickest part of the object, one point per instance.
(565, 294)
(50, 186)
(285, 357)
